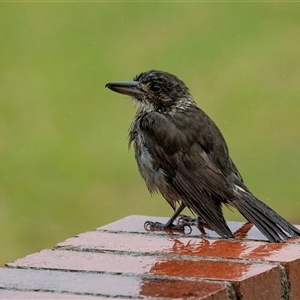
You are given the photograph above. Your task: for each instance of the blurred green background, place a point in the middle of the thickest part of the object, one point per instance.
(65, 167)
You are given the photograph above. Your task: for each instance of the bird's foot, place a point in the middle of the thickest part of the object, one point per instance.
(189, 221)
(157, 226)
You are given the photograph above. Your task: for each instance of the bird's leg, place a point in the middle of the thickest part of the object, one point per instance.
(151, 226)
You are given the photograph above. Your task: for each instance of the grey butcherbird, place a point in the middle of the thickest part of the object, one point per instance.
(182, 154)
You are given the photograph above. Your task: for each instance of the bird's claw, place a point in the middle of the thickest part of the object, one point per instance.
(157, 226)
(153, 226)
(187, 220)
(198, 222)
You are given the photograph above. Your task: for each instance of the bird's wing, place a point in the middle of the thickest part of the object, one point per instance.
(189, 167)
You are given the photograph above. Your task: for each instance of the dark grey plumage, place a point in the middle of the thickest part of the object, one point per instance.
(182, 154)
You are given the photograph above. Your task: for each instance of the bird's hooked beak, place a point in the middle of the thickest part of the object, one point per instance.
(129, 88)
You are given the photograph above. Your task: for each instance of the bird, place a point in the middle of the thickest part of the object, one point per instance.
(181, 153)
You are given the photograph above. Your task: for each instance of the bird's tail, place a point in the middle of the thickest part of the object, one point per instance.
(272, 225)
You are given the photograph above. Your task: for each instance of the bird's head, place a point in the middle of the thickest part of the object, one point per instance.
(154, 91)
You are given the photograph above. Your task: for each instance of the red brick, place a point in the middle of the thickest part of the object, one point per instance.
(287, 254)
(172, 289)
(183, 245)
(7, 294)
(122, 259)
(135, 223)
(109, 285)
(246, 277)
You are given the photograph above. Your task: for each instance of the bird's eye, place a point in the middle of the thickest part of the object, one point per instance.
(155, 88)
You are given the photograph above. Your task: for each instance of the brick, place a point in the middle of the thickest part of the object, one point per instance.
(122, 259)
(183, 245)
(246, 277)
(8, 294)
(172, 289)
(287, 253)
(135, 223)
(109, 285)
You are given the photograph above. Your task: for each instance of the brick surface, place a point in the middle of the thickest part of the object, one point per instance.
(244, 276)
(123, 260)
(108, 284)
(287, 253)
(136, 224)
(8, 294)
(183, 245)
